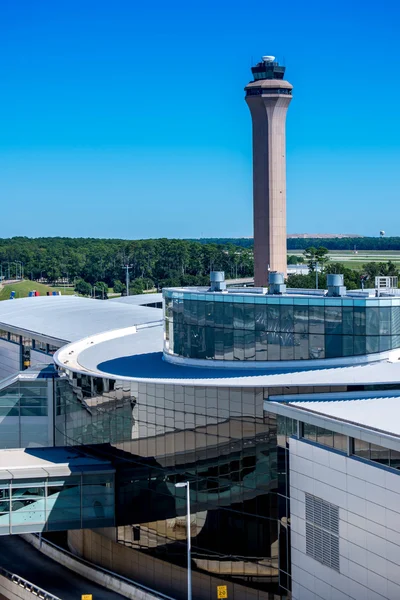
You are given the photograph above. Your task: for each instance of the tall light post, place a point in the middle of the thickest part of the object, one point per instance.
(189, 541)
(127, 267)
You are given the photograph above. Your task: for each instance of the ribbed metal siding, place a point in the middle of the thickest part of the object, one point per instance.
(322, 531)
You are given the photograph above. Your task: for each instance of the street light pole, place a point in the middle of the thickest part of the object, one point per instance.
(188, 535)
(127, 267)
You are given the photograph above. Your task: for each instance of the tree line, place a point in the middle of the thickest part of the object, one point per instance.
(361, 243)
(154, 263)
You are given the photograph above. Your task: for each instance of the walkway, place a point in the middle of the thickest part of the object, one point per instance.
(21, 558)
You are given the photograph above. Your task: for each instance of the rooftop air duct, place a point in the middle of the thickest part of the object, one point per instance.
(276, 283)
(335, 285)
(217, 279)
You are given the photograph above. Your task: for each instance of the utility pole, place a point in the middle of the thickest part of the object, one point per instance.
(127, 267)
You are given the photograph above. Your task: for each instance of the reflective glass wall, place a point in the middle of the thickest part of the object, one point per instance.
(24, 414)
(55, 504)
(277, 328)
(225, 445)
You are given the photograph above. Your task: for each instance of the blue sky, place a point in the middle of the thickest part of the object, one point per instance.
(127, 119)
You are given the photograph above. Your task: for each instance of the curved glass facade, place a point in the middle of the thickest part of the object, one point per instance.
(260, 327)
(224, 444)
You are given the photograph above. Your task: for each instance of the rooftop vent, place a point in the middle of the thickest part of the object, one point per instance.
(276, 283)
(335, 285)
(217, 280)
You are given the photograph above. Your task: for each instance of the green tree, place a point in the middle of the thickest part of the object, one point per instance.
(101, 289)
(83, 287)
(119, 287)
(315, 256)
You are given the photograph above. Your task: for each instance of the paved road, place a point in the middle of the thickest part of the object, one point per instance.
(21, 558)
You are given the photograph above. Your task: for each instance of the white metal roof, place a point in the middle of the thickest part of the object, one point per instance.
(376, 413)
(139, 299)
(70, 318)
(138, 356)
(47, 462)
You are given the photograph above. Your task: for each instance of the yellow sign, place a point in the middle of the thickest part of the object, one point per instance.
(222, 591)
(87, 597)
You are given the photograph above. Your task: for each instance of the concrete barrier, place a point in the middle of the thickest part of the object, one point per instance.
(16, 588)
(107, 579)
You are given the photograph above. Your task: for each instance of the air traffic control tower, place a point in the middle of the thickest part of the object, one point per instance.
(268, 98)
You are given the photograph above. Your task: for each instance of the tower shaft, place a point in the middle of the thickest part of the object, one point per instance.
(268, 100)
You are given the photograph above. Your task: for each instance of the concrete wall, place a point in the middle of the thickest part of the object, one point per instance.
(168, 578)
(13, 591)
(10, 358)
(115, 584)
(368, 498)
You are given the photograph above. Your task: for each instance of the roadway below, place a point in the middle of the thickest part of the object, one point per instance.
(21, 558)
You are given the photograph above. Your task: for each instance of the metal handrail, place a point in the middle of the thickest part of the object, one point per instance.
(27, 585)
(106, 571)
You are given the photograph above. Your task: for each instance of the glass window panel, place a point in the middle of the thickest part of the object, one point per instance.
(384, 320)
(310, 432)
(324, 437)
(238, 315)
(372, 344)
(286, 323)
(347, 315)
(395, 319)
(385, 343)
(273, 317)
(333, 319)
(287, 346)
(219, 343)
(333, 346)
(372, 320)
(209, 341)
(359, 320)
(249, 316)
(317, 346)
(34, 411)
(228, 314)
(215, 314)
(340, 441)
(316, 319)
(250, 345)
(187, 312)
(238, 352)
(379, 454)
(228, 344)
(359, 345)
(361, 448)
(261, 345)
(260, 317)
(395, 459)
(301, 319)
(42, 346)
(201, 313)
(274, 346)
(347, 345)
(301, 346)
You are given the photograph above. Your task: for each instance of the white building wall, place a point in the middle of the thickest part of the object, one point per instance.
(10, 358)
(369, 529)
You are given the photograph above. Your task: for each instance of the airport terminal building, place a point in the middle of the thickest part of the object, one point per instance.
(290, 442)
(279, 408)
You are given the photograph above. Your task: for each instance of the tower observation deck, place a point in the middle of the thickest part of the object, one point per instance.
(268, 97)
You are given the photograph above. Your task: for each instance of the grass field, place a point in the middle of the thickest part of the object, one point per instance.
(354, 260)
(23, 288)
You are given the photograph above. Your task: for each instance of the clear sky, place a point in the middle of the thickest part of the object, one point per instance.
(127, 119)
